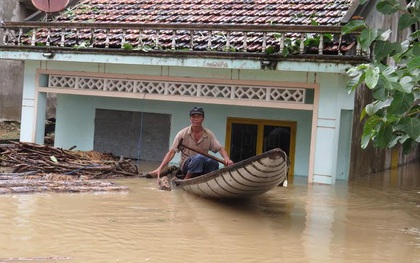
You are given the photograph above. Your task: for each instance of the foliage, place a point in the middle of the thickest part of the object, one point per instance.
(127, 46)
(393, 118)
(292, 45)
(312, 40)
(84, 44)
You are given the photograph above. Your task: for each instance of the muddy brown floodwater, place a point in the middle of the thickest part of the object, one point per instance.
(372, 219)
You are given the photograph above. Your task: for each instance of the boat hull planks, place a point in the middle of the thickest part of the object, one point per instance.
(247, 178)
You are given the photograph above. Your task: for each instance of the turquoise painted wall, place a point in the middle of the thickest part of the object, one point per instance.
(75, 121)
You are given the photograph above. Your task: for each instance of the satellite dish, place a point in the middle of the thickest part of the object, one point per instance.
(50, 6)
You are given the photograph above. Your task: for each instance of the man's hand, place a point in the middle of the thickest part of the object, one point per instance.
(156, 172)
(228, 161)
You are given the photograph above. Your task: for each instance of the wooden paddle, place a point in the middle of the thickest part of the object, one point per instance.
(201, 152)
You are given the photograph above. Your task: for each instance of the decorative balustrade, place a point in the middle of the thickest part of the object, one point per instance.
(260, 39)
(222, 91)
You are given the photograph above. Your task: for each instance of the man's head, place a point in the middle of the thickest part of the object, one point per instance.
(196, 110)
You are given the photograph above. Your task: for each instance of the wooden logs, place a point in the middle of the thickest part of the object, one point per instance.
(41, 168)
(42, 159)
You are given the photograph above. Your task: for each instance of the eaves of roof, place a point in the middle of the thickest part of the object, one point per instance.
(274, 57)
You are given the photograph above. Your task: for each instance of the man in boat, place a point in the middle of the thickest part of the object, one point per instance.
(190, 141)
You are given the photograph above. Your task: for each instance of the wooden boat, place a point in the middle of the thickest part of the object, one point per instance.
(247, 178)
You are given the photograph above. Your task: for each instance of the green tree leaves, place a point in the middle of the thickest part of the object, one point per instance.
(367, 37)
(393, 118)
(383, 49)
(388, 7)
(405, 21)
(401, 103)
(353, 25)
(413, 64)
(412, 127)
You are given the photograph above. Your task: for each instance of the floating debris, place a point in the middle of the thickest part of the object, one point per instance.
(42, 168)
(23, 186)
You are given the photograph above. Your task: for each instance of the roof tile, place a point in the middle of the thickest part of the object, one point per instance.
(292, 12)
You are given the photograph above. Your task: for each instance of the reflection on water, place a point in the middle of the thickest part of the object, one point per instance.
(372, 219)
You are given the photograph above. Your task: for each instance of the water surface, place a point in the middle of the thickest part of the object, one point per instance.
(371, 219)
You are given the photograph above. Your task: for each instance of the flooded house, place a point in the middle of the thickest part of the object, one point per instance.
(126, 73)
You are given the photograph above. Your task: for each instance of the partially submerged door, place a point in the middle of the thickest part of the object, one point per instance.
(248, 137)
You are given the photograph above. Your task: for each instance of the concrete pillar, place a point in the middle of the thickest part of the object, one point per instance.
(325, 158)
(333, 131)
(34, 105)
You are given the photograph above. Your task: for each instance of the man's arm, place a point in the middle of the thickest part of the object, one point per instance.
(225, 156)
(168, 157)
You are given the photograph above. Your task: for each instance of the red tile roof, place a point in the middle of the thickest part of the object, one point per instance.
(245, 12)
